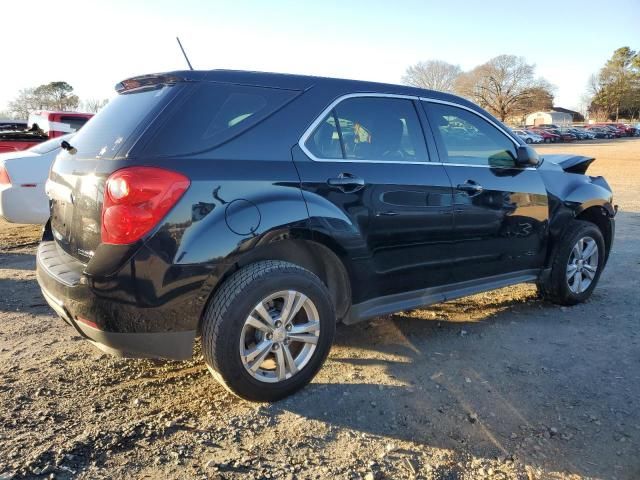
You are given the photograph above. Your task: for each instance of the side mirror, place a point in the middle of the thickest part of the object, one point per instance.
(527, 157)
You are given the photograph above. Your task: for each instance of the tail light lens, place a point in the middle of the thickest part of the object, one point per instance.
(136, 199)
(4, 176)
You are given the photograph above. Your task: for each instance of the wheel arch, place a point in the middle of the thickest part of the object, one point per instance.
(314, 256)
(600, 216)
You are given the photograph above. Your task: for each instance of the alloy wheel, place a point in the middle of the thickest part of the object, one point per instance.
(279, 336)
(582, 265)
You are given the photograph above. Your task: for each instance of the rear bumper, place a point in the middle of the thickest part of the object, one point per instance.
(71, 296)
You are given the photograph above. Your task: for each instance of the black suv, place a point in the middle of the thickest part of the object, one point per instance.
(256, 210)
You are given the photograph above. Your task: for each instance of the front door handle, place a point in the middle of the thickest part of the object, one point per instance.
(470, 187)
(346, 182)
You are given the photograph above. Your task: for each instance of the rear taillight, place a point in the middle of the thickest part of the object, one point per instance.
(136, 199)
(4, 176)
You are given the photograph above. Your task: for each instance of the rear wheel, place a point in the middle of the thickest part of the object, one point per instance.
(576, 264)
(528, 140)
(268, 330)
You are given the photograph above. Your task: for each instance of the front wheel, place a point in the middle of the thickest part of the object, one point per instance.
(268, 330)
(577, 263)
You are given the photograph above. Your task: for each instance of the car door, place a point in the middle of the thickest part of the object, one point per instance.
(500, 209)
(368, 184)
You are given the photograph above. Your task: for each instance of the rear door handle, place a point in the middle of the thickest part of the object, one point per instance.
(346, 182)
(470, 187)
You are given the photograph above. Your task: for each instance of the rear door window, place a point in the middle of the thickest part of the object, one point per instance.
(370, 128)
(209, 114)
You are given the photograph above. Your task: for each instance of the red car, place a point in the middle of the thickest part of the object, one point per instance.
(547, 137)
(42, 125)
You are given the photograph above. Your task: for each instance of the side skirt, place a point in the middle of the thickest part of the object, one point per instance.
(421, 298)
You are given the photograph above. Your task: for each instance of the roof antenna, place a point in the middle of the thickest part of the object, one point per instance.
(184, 53)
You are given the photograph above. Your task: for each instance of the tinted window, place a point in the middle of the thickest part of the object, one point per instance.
(210, 114)
(467, 138)
(104, 134)
(371, 128)
(325, 140)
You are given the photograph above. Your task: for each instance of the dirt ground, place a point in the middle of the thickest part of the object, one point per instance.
(499, 386)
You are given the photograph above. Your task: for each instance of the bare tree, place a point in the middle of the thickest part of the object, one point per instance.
(93, 105)
(24, 103)
(433, 75)
(505, 85)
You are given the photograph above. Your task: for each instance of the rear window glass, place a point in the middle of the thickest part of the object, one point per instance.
(74, 122)
(212, 113)
(105, 133)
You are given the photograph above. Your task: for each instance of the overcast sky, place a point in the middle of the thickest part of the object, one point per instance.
(93, 45)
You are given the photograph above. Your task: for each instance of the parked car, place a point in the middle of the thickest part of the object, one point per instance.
(536, 136)
(577, 133)
(587, 134)
(528, 137)
(56, 124)
(547, 136)
(615, 131)
(256, 210)
(17, 140)
(600, 132)
(22, 182)
(564, 136)
(10, 124)
(42, 126)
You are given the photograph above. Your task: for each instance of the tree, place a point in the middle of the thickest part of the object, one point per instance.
(57, 96)
(93, 105)
(433, 75)
(506, 86)
(615, 90)
(51, 96)
(24, 103)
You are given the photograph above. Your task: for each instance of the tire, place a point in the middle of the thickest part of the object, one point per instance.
(558, 287)
(528, 140)
(226, 335)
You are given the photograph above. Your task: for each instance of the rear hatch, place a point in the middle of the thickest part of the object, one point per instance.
(77, 178)
(154, 119)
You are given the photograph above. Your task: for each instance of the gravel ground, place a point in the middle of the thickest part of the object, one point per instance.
(499, 385)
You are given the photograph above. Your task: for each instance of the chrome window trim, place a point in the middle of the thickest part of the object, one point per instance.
(307, 133)
(332, 105)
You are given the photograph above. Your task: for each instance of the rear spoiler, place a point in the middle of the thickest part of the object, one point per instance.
(147, 81)
(571, 163)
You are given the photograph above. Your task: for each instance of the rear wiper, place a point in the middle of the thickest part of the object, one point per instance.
(68, 147)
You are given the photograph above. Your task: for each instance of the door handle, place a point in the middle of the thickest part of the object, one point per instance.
(346, 182)
(470, 187)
